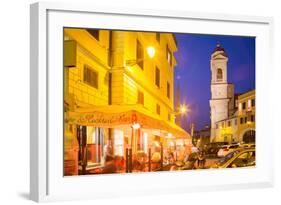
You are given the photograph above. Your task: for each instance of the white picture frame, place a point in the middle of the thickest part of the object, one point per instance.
(46, 151)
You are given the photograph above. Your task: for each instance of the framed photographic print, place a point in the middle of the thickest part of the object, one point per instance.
(127, 102)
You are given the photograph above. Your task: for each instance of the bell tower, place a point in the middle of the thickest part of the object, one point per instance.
(219, 61)
(222, 93)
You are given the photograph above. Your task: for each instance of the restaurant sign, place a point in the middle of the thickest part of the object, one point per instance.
(111, 120)
(99, 119)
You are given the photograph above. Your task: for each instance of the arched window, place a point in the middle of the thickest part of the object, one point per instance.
(219, 74)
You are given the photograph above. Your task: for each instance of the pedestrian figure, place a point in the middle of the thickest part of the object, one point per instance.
(201, 160)
(191, 161)
(109, 166)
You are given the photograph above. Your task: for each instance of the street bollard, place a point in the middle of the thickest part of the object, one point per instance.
(127, 160)
(130, 160)
(149, 159)
(161, 161)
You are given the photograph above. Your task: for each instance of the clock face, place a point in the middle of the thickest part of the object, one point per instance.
(218, 93)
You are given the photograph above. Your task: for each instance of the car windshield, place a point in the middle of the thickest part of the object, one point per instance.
(227, 157)
(245, 159)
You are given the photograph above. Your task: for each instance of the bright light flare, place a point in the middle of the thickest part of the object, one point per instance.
(183, 109)
(150, 51)
(136, 126)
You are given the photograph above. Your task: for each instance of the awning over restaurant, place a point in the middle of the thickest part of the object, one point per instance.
(111, 116)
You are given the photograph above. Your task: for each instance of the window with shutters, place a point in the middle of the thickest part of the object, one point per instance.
(229, 123)
(157, 77)
(140, 97)
(90, 76)
(158, 109)
(158, 37)
(139, 54)
(241, 120)
(252, 118)
(169, 55)
(253, 103)
(168, 90)
(244, 105)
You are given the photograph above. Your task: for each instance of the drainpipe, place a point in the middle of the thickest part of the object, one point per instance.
(110, 64)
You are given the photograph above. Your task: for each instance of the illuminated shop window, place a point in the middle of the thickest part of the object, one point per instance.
(145, 142)
(118, 142)
(95, 142)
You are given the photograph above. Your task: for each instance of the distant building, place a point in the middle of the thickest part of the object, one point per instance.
(201, 137)
(232, 115)
(241, 126)
(247, 117)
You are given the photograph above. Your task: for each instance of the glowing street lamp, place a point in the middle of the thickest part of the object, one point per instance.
(150, 50)
(183, 109)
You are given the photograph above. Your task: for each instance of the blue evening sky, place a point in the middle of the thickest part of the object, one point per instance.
(193, 67)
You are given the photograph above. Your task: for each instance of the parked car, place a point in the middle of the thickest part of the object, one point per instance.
(248, 145)
(187, 164)
(237, 158)
(225, 149)
(213, 148)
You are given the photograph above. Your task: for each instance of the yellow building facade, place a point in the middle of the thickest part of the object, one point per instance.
(240, 127)
(117, 96)
(247, 116)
